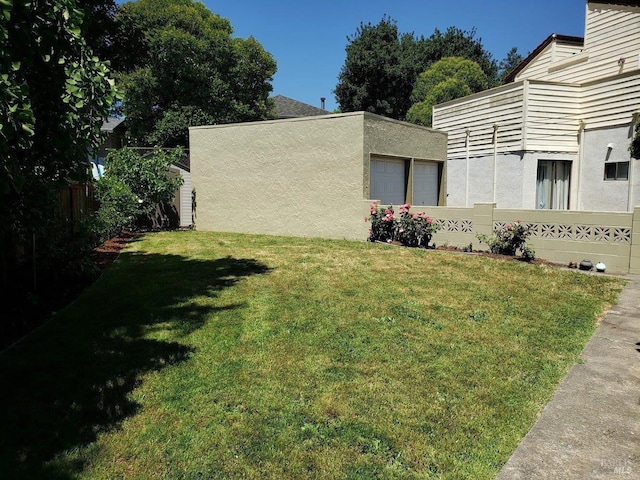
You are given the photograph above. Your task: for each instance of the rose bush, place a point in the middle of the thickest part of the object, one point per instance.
(410, 229)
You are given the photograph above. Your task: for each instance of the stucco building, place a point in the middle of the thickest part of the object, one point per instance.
(312, 176)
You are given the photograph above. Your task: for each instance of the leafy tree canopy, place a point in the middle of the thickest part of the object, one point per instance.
(382, 65)
(445, 80)
(460, 43)
(378, 73)
(186, 69)
(54, 95)
(99, 28)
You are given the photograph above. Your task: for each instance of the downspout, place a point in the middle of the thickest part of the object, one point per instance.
(466, 191)
(495, 161)
(580, 163)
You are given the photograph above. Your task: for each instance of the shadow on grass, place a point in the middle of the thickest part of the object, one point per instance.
(70, 380)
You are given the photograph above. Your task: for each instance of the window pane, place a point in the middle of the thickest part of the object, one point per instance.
(609, 171)
(623, 171)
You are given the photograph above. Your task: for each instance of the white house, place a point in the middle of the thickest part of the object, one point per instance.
(557, 135)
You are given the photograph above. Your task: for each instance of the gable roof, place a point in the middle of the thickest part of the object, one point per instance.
(289, 108)
(111, 124)
(554, 37)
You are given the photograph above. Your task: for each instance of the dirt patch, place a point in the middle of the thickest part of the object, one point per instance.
(486, 253)
(106, 254)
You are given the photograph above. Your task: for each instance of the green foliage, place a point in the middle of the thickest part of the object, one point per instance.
(99, 28)
(134, 187)
(187, 70)
(382, 65)
(447, 79)
(412, 230)
(634, 148)
(377, 75)
(54, 95)
(118, 208)
(511, 61)
(461, 43)
(509, 239)
(459, 68)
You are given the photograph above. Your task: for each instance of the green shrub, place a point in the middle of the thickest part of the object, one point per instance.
(136, 191)
(510, 239)
(118, 210)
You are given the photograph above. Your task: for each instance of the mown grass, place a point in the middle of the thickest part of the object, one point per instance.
(203, 355)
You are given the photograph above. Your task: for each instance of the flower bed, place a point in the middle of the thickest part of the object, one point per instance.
(406, 228)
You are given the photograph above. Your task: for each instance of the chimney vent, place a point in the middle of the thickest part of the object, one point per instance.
(322, 99)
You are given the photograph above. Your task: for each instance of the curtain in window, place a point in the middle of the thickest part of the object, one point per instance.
(552, 187)
(543, 186)
(560, 193)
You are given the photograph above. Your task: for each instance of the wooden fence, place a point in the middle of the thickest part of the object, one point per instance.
(77, 202)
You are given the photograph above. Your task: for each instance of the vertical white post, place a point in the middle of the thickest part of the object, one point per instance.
(466, 188)
(495, 162)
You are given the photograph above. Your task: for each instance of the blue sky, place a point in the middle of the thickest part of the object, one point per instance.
(308, 37)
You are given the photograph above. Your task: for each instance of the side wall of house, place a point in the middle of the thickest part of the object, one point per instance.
(520, 168)
(299, 177)
(608, 195)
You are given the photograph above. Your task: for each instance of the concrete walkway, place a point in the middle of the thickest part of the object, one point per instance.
(591, 427)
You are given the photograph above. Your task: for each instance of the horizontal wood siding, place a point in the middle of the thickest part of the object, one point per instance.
(552, 117)
(478, 113)
(611, 101)
(612, 32)
(538, 67)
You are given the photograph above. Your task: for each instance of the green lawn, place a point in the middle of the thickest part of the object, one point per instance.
(203, 355)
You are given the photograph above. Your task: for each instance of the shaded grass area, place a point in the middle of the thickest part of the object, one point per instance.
(222, 356)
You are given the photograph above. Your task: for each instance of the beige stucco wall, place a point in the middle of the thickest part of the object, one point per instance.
(300, 177)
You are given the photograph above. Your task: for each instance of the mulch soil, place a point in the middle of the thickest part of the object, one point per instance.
(106, 254)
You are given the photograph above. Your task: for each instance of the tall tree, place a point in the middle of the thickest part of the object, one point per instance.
(188, 70)
(447, 79)
(455, 42)
(511, 61)
(99, 28)
(382, 65)
(378, 73)
(54, 95)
